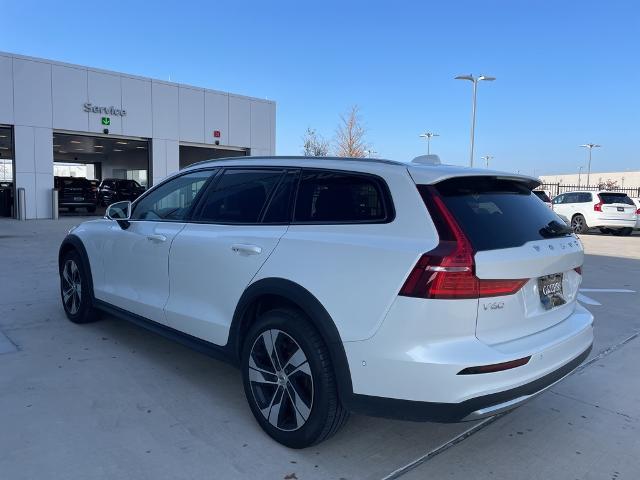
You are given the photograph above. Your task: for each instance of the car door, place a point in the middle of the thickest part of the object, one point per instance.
(136, 252)
(235, 227)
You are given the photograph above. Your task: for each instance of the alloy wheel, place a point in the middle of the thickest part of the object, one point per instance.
(281, 380)
(71, 287)
(577, 224)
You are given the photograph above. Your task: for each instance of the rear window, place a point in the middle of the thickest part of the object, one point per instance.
(128, 184)
(542, 195)
(74, 182)
(496, 213)
(615, 198)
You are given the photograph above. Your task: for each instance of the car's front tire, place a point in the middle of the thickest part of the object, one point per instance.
(579, 224)
(289, 380)
(75, 289)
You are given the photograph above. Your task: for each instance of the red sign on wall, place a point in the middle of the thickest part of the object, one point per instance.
(216, 133)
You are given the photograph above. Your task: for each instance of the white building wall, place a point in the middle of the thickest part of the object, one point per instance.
(39, 96)
(626, 179)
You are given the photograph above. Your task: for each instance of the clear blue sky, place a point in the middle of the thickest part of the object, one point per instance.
(567, 71)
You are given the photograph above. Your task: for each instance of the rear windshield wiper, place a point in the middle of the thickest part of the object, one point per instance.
(555, 229)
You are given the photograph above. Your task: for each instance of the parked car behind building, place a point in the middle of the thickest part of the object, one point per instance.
(116, 190)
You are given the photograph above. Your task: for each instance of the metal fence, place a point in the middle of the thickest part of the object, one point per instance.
(558, 188)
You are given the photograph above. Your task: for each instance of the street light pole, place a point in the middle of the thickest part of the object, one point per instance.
(486, 159)
(475, 81)
(590, 146)
(428, 136)
(579, 174)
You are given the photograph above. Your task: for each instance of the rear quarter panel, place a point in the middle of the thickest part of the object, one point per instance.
(356, 271)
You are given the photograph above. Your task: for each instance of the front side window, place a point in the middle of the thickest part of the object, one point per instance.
(340, 197)
(559, 199)
(172, 200)
(239, 196)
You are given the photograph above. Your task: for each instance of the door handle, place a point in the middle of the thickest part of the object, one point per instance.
(243, 249)
(156, 238)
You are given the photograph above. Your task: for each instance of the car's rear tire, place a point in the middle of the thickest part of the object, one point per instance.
(75, 289)
(579, 224)
(289, 380)
(623, 232)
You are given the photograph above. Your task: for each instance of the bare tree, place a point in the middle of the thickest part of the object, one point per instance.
(608, 184)
(350, 135)
(314, 145)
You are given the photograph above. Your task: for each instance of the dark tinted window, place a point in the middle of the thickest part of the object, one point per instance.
(132, 184)
(558, 199)
(495, 213)
(584, 197)
(610, 197)
(542, 195)
(171, 200)
(71, 182)
(279, 208)
(239, 196)
(334, 197)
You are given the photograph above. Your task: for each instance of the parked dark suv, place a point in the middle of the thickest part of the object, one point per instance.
(74, 192)
(116, 190)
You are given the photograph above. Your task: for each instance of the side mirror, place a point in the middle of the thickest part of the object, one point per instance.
(120, 211)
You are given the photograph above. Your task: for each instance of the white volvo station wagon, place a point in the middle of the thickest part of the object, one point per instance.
(414, 291)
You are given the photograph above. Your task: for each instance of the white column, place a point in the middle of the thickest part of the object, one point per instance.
(34, 168)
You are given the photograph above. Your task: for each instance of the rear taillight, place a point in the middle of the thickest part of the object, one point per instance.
(598, 206)
(578, 270)
(448, 271)
(638, 212)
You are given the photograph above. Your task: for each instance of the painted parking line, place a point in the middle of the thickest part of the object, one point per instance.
(590, 301)
(607, 290)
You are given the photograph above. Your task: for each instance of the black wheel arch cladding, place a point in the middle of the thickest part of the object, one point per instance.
(304, 300)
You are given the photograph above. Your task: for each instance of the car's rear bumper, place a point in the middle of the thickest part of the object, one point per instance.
(472, 409)
(411, 368)
(603, 221)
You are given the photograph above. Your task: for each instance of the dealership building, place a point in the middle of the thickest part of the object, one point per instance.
(69, 120)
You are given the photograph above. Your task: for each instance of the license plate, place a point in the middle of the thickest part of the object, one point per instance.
(621, 209)
(78, 199)
(550, 289)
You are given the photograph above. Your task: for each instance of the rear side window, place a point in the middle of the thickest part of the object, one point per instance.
(495, 213)
(610, 197)
(341, 197)
(239, 196)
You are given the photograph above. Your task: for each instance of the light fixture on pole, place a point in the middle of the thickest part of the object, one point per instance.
(579, 174)
(428, 136)
(590, 146)
(486, 159)
(475, 81)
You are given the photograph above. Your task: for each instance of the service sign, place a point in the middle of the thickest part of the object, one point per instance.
(91, 108)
